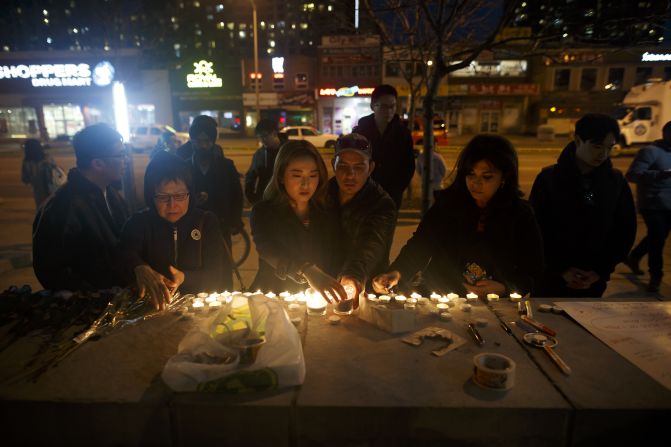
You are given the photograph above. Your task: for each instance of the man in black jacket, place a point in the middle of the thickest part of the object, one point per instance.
(75, 233)
(367, 214)
(216, 182)
(263, 160)
(585, 211)
(391, 143)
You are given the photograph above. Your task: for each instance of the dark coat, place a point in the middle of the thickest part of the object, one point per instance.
(259, 173)
(367, 223)
(587, 221)
(75, 237)
(653, 189)
(509, 249)
(284, 245)
(392, 153)
(193, 245)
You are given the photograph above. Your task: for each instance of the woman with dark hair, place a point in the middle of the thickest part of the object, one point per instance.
(295, 236)
(479, 236)
(36, 170)
(172, 244)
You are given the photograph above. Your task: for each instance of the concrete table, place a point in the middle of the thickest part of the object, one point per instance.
(364, 386)
(613, 400)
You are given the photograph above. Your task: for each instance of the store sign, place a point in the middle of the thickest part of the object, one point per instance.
(346, 92)
(504, 89)
(61, 75)
(278, 64)
(652, 57)
(203, 76)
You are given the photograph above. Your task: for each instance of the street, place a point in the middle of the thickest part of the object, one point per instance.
(17, 206)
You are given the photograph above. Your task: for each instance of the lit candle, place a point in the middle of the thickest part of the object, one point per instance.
(452, 296)
(203, 295)
(443, 299)
(442, 307)
(285, 294)
(384, 298)
(300, 297)
(212, 297)
(471, 296)
(400, 299)
(271, 295)
(198, 306)
(515, 297)
(316, 304)
(434, 296)
(415, 295)
(289, 298)
(213, 305)
(248, 294)
(409, 305)
(492, 297)
(372, 297)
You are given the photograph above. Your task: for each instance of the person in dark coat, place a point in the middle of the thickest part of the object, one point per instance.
(172, 245)
(585, 211)
(36, 170)
(263, 160)
(75, 233)
(216, 183)
(391, 142)
(297, 239)
(651, 171)
(479, 236)
(367, 214)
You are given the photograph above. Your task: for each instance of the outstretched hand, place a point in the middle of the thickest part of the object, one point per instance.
(325, 284)
(159, 287)
(384, 282)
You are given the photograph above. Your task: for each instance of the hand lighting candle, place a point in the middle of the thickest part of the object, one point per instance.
(316, 303)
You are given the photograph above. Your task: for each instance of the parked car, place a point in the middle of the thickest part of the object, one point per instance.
(310, 134)
(146, 137)
(439, 131)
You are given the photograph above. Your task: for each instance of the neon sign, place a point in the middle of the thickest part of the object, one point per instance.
(652, 57)
(346, 92)
(203, 76)
(61, 75)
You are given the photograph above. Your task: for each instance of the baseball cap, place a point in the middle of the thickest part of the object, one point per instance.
(353, 142)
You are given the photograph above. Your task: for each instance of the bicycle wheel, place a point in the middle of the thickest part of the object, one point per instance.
(240, 247)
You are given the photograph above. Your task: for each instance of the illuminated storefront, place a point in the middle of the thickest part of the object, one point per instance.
(341, 108)
(52, 95)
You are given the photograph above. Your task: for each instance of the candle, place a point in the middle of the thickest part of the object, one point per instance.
(443, 307)
(372, 297)
(515, 297)
(248, 294)
(198, 306)
(213, 305)
(452, 296)
(400, 299)
(445, 316)
(350, 290)
(212, 297)
(415, 295)
(271, 295)
(443, 299)
(422, 301)
(289, 298)
(384, 298)
(466, 307)
(285, 294)
(203, 295)
(434, 296)
(471, 296)
(492, 297)
(316, 304)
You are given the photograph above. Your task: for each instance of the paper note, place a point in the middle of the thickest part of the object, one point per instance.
(640, 332)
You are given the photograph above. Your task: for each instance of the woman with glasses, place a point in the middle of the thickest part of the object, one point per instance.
(479, 236)
(172, 245)
(295, 236)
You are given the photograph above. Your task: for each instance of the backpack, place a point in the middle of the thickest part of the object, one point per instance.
(56, 178)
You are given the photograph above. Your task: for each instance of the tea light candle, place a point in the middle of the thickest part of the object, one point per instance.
(434, 296)
(289, 298)
(316, 304)
(248, 294)
(211, 298)
(452, 296)
(334, 319)
(443, 307)
(271, 295)
(198, 306)
(492, 297)
(372, 297)
(410, 306)
(203, 295)
(415, 295)
(300, 297)
(213, 305)
(471, 296)
(384, 298)
(400, 299)
(445, 316)
(285, 294)
(443, 299)
(515, 297)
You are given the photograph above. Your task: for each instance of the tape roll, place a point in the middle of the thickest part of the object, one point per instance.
(494, 371)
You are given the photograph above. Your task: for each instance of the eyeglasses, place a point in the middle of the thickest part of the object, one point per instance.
(165, 198)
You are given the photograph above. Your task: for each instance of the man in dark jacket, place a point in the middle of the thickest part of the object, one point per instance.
(216, 182)
(391, 142)
(366, 212)
(651, 171)
(263, 160)
(585, 211)
(75, 233)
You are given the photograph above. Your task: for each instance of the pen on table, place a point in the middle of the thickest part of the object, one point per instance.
(476, 335)
(524, 326)
(538, 325)
(506, 328)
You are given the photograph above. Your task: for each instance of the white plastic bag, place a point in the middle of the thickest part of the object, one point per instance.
(207, 361)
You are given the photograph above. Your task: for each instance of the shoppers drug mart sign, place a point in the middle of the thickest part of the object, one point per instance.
(61, 75)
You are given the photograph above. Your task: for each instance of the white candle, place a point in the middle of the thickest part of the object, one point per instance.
(400, 299)
(203, 295)
(452, 296)
(466, 307)
(285, 294)
(471, 296)
(515, 297)
(446, 316)
(198, 305)
(213, 305)
(289, 299)
(415, 295)
(442, 307)
(316, 304)
(271, 295)
(443, 299)
(434, 296)
(211, 298)
(492, 297)
(422, 301)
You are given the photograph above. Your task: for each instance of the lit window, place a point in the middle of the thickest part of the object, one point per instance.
(176, 46)
(263, 24)
(269, 51)
(46, 21)
(330, 8)
(213, 44)
(242, 26)
(49, 40)
(196, 4)
(45, 12)
(271, 43)
(219, 7)
(242, 34)
(210, 17)
(293, 26)
(308, 6)
(231, 26)
(5, 48)
(221, 25)
(304, 26)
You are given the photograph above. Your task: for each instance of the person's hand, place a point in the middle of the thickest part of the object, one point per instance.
(325, 284)
(177, 279)
(579, 279)
(485, 286)
(149, 280)
(383, 282)
(353, 288)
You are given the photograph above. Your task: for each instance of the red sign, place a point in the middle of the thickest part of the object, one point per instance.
(504, 89)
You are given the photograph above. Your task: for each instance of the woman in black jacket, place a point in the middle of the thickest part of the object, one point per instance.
(479, 236)
(295, 236)
(172, 244)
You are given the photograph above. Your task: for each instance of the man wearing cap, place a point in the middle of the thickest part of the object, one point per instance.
(263, 160)
(75, 233)
(366, 212)
(216, 182)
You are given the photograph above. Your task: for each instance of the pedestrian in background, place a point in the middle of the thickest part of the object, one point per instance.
(585, 211)
(168, 142)
(38, 170)
(391, 142)
(651, 171)
(438, 169)
(263, 160)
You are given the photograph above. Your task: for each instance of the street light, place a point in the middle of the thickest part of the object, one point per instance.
(256, 62)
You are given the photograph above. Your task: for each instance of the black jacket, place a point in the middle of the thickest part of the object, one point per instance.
(259, 173)
(284, 245)
(587, 221)
(220, 187)
(392, 153)
(510, 248)
(367, 225)
(193, 245)
(75, 237)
